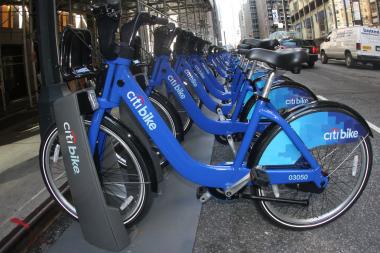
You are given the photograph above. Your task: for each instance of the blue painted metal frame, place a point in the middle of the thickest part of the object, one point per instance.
(219, 176)
(165, 73)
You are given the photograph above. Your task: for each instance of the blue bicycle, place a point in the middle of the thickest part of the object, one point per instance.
(232, 116)
(307, 168)
(198, 78)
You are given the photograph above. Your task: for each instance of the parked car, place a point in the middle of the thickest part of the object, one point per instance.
(309, 45)
(353, 44)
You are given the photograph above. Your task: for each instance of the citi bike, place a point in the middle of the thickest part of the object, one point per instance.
(306, 170)
(285, 93)
(229, 128)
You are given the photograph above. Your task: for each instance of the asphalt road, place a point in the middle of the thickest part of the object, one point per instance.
(238, 226)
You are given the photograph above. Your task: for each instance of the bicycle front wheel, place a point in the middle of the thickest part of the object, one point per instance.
(122, 173)
(346, 161)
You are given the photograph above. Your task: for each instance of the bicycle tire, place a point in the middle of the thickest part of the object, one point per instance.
(310, 218)
(187, 122)
(171, 118)
(60, 191)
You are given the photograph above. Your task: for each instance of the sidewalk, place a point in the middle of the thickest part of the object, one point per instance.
(22, 190)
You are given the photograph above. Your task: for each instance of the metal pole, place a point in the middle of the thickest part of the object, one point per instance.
(200, 21)
(195, 18)
(50, 77)
(26, 62)
(2, 87)
(206, 25)
(326, 23)
(164, 7)
(179, 13)
(333, 6)
(70, 13)
(33, 53)
(345, 12)
(187, 16)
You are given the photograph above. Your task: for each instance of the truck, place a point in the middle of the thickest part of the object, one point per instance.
(352, 44)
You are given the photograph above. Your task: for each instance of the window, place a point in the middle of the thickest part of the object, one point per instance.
(7, 16)
(12, 16)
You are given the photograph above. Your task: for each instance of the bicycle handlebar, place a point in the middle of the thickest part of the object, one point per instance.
(107, 18)
(128, 31)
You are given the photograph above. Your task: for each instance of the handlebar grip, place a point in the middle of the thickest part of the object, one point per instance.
(158, 21)
(113, 2)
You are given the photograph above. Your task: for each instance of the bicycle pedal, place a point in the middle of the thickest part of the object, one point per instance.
(276, 192)
(220, 114)
(203, 194)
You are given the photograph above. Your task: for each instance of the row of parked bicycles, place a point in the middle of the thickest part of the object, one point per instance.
(304, 161)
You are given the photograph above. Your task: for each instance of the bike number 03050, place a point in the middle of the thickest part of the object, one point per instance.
(298, 177)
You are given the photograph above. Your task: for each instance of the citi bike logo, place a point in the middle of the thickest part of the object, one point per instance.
(296, 101)
(142, 110)
(71, 141)
(340, 134)
(200, 72)
(191, 78)
(173, 82)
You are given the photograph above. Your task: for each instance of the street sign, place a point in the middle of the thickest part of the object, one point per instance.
(275, 16)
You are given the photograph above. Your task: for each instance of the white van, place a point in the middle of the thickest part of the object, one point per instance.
(353, 44)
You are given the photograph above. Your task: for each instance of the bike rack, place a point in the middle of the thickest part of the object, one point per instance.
(101, 224)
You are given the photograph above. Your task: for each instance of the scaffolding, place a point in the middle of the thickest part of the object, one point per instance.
(17, 28)
(198, 16)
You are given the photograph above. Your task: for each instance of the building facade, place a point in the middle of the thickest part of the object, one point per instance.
(272, 16)
(246, 22)
(314, 19)
(259, 18)
(254, 18)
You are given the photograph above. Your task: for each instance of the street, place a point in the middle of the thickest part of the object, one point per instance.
(238, 226)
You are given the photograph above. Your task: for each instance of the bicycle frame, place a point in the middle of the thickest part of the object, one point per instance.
(184, 68)
(163, 72)
(121, 85)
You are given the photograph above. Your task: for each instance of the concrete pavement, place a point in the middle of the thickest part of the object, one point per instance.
(21, 187)
(238, 226)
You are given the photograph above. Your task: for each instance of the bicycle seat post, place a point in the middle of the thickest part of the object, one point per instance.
(251, 71)
(268, 84)
(246, 66)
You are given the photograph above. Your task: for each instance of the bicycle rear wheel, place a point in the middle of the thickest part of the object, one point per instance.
(187, 122)
(123, 174)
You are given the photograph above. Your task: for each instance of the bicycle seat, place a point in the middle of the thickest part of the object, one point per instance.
(289, 59)
(163, 38)
(244, 46)
(265, 44)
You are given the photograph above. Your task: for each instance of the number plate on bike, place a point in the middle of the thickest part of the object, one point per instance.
(298, 177)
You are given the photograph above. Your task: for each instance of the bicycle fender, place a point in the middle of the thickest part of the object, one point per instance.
(291, 83)
(285, 94)
(318, 123)
(155, 172)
